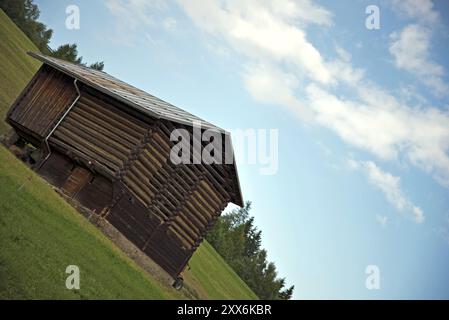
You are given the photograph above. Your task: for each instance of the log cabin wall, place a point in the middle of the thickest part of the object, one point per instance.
(185, 199)
(116, 160)
(97, 131)
(42, 103)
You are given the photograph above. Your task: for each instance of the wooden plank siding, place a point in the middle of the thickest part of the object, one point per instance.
(97, 194)
(57, 169)
(78, 178)
(40, 106)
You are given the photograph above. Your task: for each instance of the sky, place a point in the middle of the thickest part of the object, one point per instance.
(361, 111)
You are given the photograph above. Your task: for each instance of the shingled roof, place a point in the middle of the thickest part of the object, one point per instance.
(126, 93)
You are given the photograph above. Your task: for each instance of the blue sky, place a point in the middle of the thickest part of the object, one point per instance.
(363, 120)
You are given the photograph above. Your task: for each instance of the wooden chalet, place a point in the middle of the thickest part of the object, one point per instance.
(106, 144)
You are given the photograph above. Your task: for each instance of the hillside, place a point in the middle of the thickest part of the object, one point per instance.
(41, 234)
(16, 67)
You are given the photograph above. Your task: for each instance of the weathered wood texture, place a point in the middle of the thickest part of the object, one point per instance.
(95, 192)
(78, 178)
(99, 132)
(57, 169)
(43, 102)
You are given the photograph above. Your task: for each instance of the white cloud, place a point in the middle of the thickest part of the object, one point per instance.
(443, 230)
(169, 24)
(303, 10)
(422, 10)
(130, 15)
(281, 66)
(262, 30)
(359, 124)
(410, 49)
(377, 122)
(343, 54)
(382, 220)
(390, 186)
(409, 94)
(443, 233)
(269, 84)
(387, 183)
(418, 214)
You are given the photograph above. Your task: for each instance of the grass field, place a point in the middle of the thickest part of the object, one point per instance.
(40, 234)
(16, 67)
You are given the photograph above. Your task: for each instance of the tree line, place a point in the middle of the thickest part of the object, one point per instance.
(25, 14)
(238, 241)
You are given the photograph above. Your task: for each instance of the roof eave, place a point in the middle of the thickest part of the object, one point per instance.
(239, 198)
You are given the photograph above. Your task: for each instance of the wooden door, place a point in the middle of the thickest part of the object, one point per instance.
(76, 181)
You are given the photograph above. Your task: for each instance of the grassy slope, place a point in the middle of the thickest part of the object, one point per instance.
(215, 276)
(16, 67)
(40, 234)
